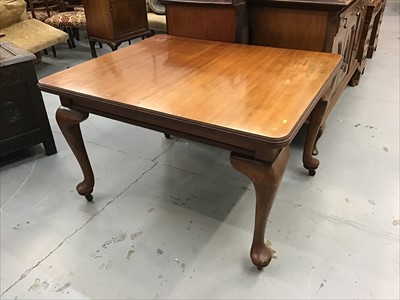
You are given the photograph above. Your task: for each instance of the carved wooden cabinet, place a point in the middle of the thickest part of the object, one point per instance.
(370, 32)
(322, 25)
(218, 20)
(376, 8)
(23, 117)
(115, 21)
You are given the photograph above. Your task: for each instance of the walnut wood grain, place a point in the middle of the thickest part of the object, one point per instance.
(249, 91)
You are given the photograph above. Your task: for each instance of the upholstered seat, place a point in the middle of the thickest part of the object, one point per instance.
(60, 15)
(157, 22)
(29, 34)
(33, 35)
(156, 16)
(73, 19)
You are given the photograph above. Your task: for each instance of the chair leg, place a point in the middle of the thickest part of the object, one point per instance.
(76, 33)
(69, 44)
(92, 49)
(71, 36)
(53, 49)
(129, 42)
(100, 45)
(45, 51)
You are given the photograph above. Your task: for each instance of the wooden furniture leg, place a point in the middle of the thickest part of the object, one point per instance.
(319, 134)
(314, 128)
(114, 46)
(266, 177)
(92, 49)
(68, 120)
(71, 36)
(53, 49)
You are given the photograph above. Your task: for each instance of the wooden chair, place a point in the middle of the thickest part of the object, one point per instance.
(41, 10)
(61, 15)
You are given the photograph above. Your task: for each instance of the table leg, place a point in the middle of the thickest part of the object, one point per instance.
(68, 120)
(319, 134)
(266, 177)
(315, 128)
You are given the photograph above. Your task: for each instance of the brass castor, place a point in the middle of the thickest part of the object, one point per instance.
(89, 197)
(311, 172)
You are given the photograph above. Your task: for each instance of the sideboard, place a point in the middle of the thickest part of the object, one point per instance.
(323, 25)
(217, 20)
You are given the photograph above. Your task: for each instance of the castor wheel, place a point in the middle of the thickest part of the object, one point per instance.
(167, 136)
(89, 197)
(311, 172)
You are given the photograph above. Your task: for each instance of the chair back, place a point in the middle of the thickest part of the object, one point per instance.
(41, 9)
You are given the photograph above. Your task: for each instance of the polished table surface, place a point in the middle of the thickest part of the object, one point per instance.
(250, 100)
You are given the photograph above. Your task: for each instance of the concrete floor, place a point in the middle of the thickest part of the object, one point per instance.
(172, 219)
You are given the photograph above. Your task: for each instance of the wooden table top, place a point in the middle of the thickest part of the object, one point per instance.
(257, 91)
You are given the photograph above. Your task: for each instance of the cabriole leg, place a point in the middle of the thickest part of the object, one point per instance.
(314, 128)
(266, 177)
(68, 120)
(319, 134)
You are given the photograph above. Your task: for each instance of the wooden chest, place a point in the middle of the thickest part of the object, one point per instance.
(23, 115)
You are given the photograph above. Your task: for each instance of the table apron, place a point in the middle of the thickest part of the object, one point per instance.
(250, 146)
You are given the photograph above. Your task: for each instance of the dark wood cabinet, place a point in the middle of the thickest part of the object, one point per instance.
(323, 25)
(23, 115)
(218, 20)
(115, 21)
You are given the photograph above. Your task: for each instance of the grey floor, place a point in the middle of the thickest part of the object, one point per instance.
(172, 219)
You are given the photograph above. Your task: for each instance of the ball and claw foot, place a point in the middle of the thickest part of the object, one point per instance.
(89, 197)
(311, 172)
